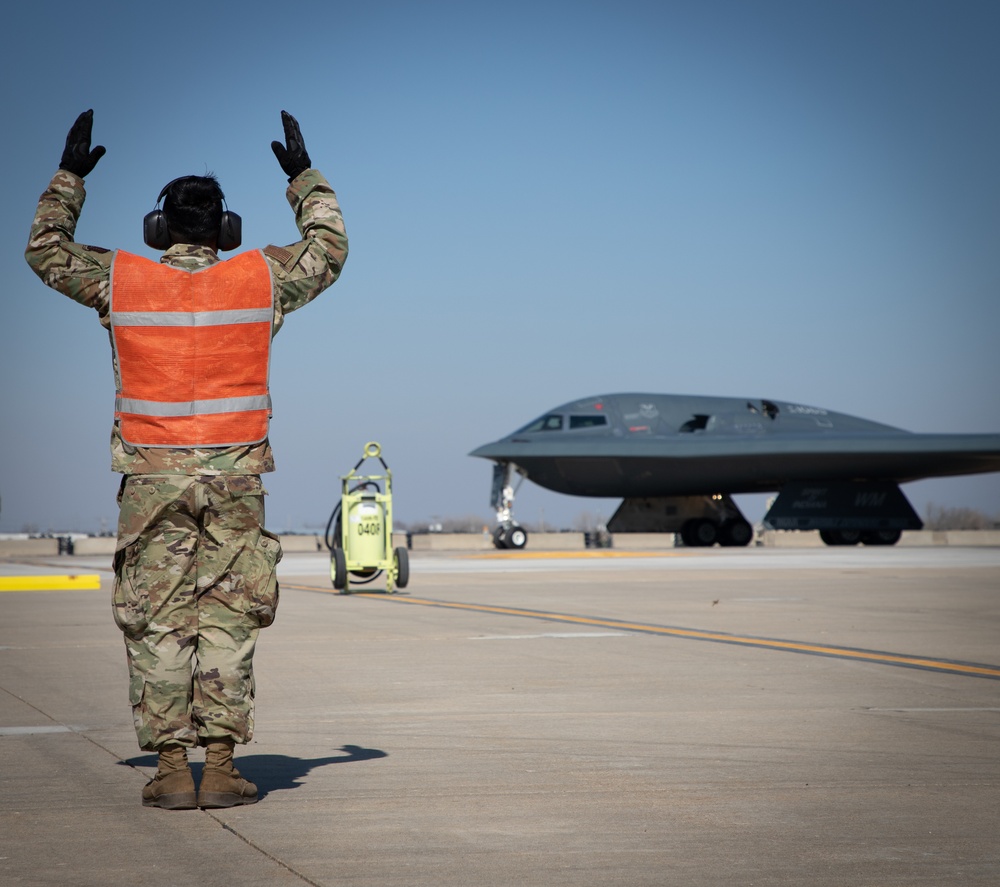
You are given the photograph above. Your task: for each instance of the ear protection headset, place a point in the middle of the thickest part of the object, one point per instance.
(157, 236)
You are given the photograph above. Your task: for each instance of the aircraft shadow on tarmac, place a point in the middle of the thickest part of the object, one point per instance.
(275, 772)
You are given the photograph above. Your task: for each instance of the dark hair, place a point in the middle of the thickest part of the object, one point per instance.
(193, 207)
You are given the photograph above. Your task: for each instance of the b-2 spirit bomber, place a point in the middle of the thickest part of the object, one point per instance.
(677, 460)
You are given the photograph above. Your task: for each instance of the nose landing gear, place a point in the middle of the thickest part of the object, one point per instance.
(509, 533)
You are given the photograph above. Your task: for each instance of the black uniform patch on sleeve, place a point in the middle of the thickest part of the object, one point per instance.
(279, 254)
(96, 249)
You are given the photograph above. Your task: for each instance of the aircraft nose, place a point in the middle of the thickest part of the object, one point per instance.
(486, 451)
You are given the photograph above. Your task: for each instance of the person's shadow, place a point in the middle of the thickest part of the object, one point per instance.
(274, 772)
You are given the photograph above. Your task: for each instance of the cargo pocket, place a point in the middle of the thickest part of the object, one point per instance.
(130, 604)
(262, 590)
(144, 732)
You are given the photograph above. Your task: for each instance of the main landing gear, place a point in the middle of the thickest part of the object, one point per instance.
(699, 521)
(865, 537)
(704, 532)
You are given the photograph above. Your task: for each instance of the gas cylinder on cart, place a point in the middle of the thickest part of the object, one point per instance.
(365, 527)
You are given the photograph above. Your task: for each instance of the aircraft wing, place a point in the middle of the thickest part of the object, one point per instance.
(694, 464)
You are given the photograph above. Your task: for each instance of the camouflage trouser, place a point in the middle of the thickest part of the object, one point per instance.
(194, 583)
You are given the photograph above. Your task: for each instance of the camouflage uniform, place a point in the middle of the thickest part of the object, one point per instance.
(194, 566)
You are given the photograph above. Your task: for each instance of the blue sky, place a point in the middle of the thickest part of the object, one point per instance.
(545, 201)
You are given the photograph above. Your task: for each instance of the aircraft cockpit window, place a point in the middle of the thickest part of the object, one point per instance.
(546, 423)
(698, 422)
(767, 407)
(576, 422)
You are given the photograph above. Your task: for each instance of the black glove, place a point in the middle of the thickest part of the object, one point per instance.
(293, 158)
(77, 156)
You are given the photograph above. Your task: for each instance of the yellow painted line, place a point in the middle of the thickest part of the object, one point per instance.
(50, 583)
(922, 662)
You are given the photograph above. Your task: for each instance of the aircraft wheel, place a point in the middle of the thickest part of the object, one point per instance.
(735, 533)
(687, 534)
(701, 533)
(498, 538)
(881, 537)
(402, 567)
(339, 569)
(840, 537)
(516, 537)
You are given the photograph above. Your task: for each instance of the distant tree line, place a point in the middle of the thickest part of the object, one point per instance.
(937, 517)
(585, 521)
(466, 523)
(941, 517)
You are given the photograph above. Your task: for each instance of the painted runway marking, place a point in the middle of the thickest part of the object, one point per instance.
(30, 731)
(85, 581)
(930, 709)
(758, 600)
(926, 663)
(563, 555)
(971, 669)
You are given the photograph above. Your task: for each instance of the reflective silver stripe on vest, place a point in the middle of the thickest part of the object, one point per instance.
(192, 407)
(192, 318)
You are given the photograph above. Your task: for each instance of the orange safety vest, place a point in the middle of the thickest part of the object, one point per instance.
(193, 351)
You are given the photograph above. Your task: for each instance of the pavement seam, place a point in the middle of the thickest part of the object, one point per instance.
(262, 851)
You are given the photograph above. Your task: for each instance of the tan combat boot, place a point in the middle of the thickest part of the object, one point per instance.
(172, 788)
(221, 783)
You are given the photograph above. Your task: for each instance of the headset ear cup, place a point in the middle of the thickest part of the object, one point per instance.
(154, 230)
(230, 231)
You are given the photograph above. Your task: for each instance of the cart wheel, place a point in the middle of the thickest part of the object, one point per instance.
(402, 567)
(338, 569)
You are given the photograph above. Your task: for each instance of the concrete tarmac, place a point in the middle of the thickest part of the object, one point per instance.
(754, 717)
